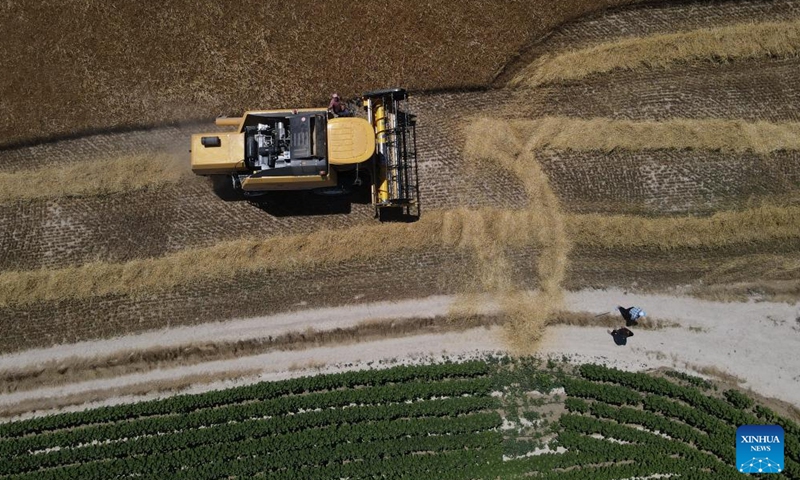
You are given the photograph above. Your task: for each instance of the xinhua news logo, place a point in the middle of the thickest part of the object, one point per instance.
(759, 449)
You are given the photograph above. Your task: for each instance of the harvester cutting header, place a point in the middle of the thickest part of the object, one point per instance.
(311, 149)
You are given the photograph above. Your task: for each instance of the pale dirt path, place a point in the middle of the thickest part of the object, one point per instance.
(240, 329)
(757, 342)
(281, 365)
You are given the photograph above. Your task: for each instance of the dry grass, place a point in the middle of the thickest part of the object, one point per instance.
(449, 229)
(717, 373)
(585, 319)
(437, 229)
(492, 141)
(99, 177)
(565, 133)
(72, 370)
(748, 40)
(145, 388)
(772, 267)
(772, 290)
(124, 174)
(83, 65)
(760, 224)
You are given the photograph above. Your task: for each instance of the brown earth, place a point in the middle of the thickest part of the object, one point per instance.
(651, 18)
(58, 232)
(77, 66)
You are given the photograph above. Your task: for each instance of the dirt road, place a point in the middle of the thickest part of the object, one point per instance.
(753, 342)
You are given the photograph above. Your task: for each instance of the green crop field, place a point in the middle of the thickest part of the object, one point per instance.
(476, 419)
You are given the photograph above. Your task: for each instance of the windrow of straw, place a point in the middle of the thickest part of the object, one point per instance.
(742, 41)
(437, 229)
(99, 177)
(604, 134)
(489, 140)
(110, 176)
(761, 224)
(450, 229)
(776, 277)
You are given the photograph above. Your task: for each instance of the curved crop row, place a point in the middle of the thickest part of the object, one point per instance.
(719, 445)
(645, 383)
(267, 457)
(390, 394)
(604, 393)
(645, 468)
(225, 436)
(280, 424)
(183, 404)
(790, 428)
(359, 432)
(696, 381)
(657, 448)
(705, 411)
(688, 415)
(448, 465)
(577, 428)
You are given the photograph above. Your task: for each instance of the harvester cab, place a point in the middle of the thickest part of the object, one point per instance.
(306, 149)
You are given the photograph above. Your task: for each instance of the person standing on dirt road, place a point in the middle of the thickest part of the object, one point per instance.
(631, 315)
(337, 108)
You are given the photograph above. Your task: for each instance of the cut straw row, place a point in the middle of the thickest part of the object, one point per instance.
(734, 42)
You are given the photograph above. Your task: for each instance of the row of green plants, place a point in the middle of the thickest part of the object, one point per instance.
(613, 394)
(477, 389)
(645, 383)
(265, 456)
(691, 379)
(718, 444)
(184, 404)
(317, 423)
(261, 431)
(610, 457)
(728, 413)
(790, 428)
(656, 444)
(446, 465)
(617, 395)
(433, 421)
(241, 421)
(688, 415)
(649, 425)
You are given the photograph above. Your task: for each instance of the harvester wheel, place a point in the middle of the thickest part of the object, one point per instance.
(225, 189)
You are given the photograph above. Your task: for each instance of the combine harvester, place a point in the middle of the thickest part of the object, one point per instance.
(307, 149)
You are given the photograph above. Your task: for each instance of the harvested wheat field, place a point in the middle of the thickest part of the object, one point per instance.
(572, 158)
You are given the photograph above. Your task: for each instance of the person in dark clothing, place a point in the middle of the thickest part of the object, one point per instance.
(337, 108)
(631, 315)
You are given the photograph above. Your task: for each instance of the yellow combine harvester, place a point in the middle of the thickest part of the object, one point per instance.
(306, 149)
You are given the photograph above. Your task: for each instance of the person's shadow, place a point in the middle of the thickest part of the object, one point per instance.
(619, 337)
